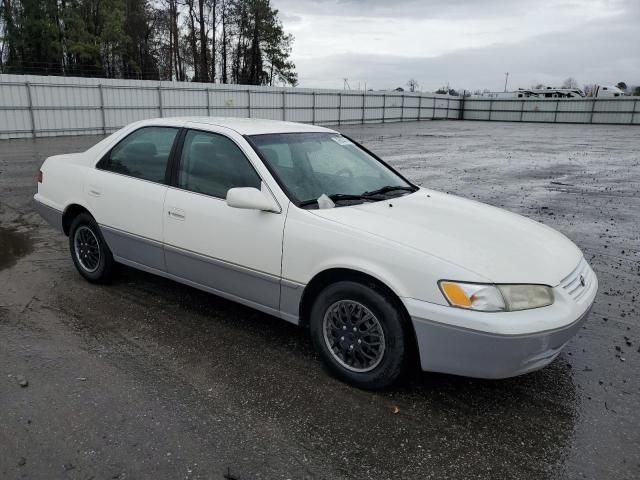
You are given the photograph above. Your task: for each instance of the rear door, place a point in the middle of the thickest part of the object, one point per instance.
(126, 193)
(231, 251)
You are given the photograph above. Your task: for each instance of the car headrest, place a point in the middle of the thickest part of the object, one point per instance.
(142, 149)
(203, 151)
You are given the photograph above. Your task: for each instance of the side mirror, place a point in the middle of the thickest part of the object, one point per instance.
(252, 199)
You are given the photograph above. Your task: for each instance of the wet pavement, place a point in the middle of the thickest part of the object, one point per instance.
(146, 378)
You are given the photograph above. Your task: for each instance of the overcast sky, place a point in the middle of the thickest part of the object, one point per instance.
(469, 44)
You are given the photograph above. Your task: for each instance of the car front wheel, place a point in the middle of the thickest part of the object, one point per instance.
(89, 251)
(360, 334)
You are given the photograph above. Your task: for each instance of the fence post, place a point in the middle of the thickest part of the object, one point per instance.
(593, 107)
(522, 111)
(30, 103)
(402, 109)
(248, 103)
(313, 109)
(284, 105)
(364, 105)
(420, 107)
(448, 103)
(461, 105)
(490, 108)
(160, 102)
(633, 112)
(207, 91)
(384, 106)
(104, 121)
(555, 115)
(433, 114)
(339, 108)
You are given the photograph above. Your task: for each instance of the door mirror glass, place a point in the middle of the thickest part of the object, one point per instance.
(251, 199)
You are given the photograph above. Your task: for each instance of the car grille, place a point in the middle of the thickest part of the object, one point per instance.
(577, 283)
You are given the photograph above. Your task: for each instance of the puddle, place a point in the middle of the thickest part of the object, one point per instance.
(13, 245)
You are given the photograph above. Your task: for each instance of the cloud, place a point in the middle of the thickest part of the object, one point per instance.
(537, 42)
(450, 8)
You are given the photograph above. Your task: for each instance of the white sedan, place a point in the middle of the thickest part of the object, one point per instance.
(303, 223)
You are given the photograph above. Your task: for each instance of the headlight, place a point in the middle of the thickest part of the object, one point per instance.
(496, 298)
(524, 297)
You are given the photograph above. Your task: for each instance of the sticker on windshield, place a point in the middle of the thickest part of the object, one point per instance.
(341, 141)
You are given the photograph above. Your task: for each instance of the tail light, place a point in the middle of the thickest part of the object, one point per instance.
(40, 176)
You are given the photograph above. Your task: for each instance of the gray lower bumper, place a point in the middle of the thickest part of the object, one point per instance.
(51, 215)
(448, 349)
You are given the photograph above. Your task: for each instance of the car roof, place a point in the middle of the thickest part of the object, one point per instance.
(244, 126)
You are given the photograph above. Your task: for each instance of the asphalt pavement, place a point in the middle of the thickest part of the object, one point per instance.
(147, 378)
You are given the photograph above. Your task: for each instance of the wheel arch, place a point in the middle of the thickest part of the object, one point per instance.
(70, 213)
(329, 276)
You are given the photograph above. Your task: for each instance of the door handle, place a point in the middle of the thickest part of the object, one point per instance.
(176, 213)
(94, 192)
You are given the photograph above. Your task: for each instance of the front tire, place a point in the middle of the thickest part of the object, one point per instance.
(89, 251)
(360, 335)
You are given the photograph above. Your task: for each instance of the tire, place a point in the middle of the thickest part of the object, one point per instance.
(346, 305)
(89, 251)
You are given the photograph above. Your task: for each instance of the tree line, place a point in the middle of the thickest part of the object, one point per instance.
(225, 41)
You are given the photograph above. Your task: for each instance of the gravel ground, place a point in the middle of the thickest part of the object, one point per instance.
(147, 378)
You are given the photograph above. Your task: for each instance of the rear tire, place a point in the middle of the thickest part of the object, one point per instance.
(89, 251)
(360, 335)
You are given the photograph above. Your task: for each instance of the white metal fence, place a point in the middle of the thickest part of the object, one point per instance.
(34, 106)
(619, 110)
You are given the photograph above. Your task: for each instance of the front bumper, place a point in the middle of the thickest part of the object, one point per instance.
(498, 345)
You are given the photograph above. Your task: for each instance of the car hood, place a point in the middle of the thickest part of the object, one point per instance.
(498, 245)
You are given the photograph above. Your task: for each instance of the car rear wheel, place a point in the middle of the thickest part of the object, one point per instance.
(360, 334)
(89, 251)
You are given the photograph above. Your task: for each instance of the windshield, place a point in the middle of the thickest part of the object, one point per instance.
(312, 164)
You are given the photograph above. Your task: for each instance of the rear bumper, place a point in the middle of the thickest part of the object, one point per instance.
(499, 345)
(52, 216)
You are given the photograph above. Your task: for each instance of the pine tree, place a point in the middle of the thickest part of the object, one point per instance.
(242, 41)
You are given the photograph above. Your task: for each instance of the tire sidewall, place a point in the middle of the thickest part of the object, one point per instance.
(102, 273)
(391, 320)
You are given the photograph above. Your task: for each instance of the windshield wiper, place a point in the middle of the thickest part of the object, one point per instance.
(372, 195)
(387, 189)
(336, 197)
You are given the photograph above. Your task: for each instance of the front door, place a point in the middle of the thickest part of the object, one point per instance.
(126, 195)
(231, 251)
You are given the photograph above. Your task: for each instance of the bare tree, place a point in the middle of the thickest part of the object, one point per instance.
(413, 85)
(204, 69)
(570, 83)
(192, 40)
(214, 26)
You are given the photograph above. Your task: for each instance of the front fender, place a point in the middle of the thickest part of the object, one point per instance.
(312, 245)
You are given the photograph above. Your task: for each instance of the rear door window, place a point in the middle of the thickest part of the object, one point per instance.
(143, 154)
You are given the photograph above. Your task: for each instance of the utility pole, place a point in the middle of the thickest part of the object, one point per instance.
(506, 80)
